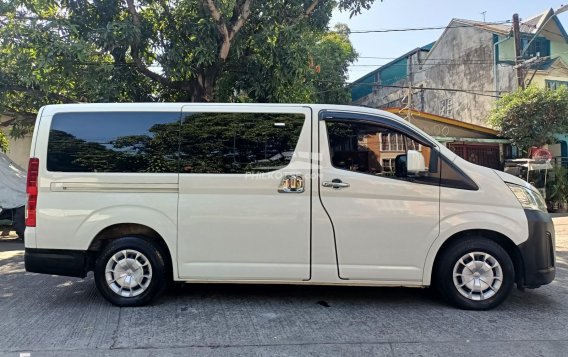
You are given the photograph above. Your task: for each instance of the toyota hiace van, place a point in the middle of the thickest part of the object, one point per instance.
(144, 194)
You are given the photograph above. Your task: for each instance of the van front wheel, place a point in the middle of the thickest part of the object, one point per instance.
(475, 273)
(130, 271)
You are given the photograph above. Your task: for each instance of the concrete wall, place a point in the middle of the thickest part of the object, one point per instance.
(539, 80)
(559, 49)
(469, 50)
(19, 150)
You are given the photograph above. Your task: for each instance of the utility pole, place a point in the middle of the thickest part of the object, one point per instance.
(409, 106)
(517, 36)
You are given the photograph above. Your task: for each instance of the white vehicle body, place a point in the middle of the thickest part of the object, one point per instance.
(240, 227)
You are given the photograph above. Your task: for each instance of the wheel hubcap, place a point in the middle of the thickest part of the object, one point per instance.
(478, 276)
(128, 273)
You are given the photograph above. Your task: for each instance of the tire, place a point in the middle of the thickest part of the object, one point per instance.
(130, 271)
(475, 273)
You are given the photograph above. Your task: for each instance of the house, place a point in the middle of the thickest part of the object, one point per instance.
(468, 67)
(391, 77)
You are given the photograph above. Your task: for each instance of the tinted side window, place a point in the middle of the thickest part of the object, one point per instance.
(114, 142)
(453, 177)
(236, 143)
(380, 151)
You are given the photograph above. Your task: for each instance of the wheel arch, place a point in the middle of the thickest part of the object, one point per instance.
(505, 242)
(119, 230)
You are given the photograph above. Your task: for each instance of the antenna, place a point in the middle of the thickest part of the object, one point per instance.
(483, 14)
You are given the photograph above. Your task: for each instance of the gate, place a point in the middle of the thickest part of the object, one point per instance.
(480, 154)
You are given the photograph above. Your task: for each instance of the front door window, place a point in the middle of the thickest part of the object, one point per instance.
(379, 151)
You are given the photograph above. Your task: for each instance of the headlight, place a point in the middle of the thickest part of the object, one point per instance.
(528, 198)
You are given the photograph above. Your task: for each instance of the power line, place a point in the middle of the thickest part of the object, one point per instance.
(421, 64)
(456, 90)
(426, 59)
(427, 28)
(440, 27)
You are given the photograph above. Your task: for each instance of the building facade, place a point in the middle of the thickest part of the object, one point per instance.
(470, 65)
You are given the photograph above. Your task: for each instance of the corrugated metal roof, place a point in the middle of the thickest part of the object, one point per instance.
(442, 119)
(497, 28)
(532, 24)
(428, 47)
(406, 55)
(550, 63)
(546, 65)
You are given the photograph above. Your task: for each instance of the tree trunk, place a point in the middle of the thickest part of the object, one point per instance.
(202, 89)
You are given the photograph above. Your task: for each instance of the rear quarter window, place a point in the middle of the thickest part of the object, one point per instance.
(127, 142)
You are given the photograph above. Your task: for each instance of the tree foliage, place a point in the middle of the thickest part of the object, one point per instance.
(65, 51)
(532, 116)
(3, 142)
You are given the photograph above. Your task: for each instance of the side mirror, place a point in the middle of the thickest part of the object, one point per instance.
(400, 166)
(415, 162)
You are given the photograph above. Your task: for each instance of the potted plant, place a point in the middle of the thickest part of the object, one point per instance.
(558, 189)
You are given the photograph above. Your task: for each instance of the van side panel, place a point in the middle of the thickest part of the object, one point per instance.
(73, 207)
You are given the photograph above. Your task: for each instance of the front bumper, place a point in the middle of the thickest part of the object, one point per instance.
(537, 252)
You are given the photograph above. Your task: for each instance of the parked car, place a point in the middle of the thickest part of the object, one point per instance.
(12, 195)
(143, 194)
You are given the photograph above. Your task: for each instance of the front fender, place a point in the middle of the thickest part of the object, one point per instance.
(510, 222)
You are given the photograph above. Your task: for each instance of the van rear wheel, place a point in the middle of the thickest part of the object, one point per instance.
(475, 273)
(130, 271)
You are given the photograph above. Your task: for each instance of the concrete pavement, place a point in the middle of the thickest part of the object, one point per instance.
(58, 316)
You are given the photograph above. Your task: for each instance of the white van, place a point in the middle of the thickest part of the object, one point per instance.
(143, 194)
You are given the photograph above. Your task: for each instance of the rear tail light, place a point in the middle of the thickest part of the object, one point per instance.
(31, 190)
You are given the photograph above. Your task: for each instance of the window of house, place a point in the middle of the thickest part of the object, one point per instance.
(238, 143)
(540, 46)
(114, 142)
(551, 84)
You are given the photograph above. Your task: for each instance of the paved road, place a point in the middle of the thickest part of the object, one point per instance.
(57, 316)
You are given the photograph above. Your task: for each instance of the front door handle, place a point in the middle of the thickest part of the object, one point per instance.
(335, 183)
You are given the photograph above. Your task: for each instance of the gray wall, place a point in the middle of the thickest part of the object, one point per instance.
(19, 150)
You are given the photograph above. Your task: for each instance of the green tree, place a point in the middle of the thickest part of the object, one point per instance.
(63, 51)
(298, 66)
(332, 55)
(531, 116)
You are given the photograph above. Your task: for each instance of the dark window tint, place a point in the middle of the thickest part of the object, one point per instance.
(114, 142)
(375, 150)
(234, 143)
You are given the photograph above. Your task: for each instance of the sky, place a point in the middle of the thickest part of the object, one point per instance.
(399, 14)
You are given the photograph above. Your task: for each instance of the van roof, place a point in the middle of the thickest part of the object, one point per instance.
(52, 109)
